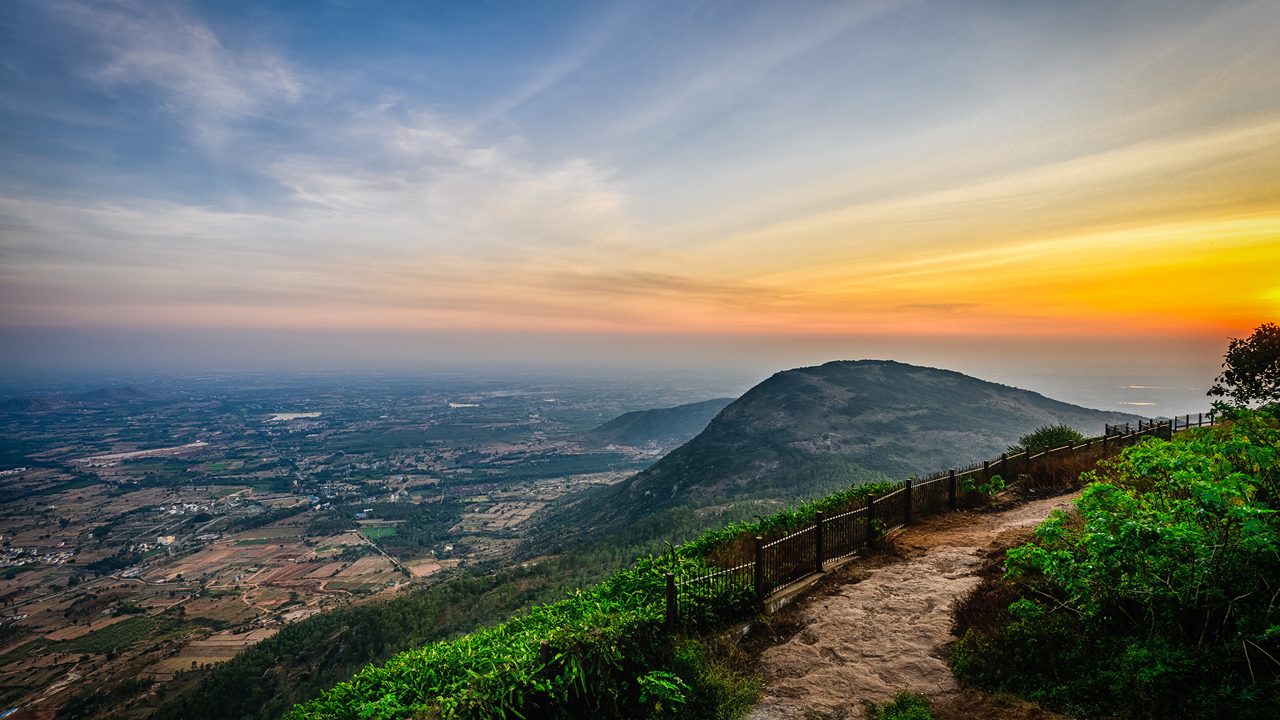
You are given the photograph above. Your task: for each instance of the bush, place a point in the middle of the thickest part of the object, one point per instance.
(1049, 437)
(904, 706)
(1251, 368)
(601, 652)
(1158, 599)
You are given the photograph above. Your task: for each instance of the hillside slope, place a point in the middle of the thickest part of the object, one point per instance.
(660, 429)
(807, 431)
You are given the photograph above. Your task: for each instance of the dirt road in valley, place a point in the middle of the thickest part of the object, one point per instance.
(889, 627)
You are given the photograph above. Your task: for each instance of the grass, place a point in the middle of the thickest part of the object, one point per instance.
(373, 533)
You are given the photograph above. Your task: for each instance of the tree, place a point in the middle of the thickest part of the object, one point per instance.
(1048, 437)
(1251, 368)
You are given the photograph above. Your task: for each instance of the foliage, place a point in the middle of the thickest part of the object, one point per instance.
(119, 635)
(721, 683)
(1048, 437)
(1251, 368)
(905, 705)
(97, 704)
(787, 521)
(113, 563)
(421, 527)
(992, 485)
(263, 518)
(1158, 599)
(600, 652)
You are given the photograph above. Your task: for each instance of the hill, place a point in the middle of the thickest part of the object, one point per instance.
(32, 403)
(113, 395)
(95, 398)
(660, 429)
(808, 431)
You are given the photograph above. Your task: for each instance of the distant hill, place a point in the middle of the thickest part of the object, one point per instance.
(32, 403)
(113, 395)
(660, 429)
(808, 431)
(94, 398)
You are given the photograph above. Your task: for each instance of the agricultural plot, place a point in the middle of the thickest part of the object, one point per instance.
(208, 651)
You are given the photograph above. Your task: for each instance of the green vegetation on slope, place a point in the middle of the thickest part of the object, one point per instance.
(601, 652)
(1159, 599)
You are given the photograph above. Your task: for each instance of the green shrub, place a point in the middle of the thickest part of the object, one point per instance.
(1049, 437)
(904, 706)
(1159, 598)
(990, 486)
(721, 684)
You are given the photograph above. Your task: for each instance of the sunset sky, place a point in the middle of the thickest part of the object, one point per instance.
(757, 175)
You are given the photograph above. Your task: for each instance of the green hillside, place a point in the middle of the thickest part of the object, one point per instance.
(806, 432)
(660, 428)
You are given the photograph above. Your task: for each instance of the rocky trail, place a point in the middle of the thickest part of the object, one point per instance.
(874, 627)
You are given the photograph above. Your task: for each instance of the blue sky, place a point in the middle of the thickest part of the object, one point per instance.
(764, 169)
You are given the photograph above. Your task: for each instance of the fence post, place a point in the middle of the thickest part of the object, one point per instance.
(1104, 444)
(759, 572)
(1199, 419)
(817, 542)
(1004, 465)
(906, 515)
(951, 488)
(871, 520)
(671, 602)
(986, 470)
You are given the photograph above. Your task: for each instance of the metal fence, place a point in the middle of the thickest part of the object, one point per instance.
(781, 563)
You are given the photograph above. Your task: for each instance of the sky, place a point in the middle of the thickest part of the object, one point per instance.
(1021, 184)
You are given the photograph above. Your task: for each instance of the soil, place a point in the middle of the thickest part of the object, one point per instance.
(884, 624)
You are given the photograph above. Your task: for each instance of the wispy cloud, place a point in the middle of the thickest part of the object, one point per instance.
(162, 48)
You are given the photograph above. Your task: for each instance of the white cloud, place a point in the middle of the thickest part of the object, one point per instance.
(424, 183)
(199, 78)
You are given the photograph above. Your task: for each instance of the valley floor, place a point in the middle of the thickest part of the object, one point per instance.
(873, 628)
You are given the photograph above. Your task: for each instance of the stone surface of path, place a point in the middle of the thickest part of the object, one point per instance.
(864, 641)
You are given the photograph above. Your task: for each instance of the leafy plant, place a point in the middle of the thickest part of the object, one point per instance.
(1251, 368)
(1158, 597)
(990, 486)
(905, 705)
(662, 690)
(1048, 437)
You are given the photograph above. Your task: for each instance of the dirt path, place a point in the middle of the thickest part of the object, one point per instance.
(861, 642)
